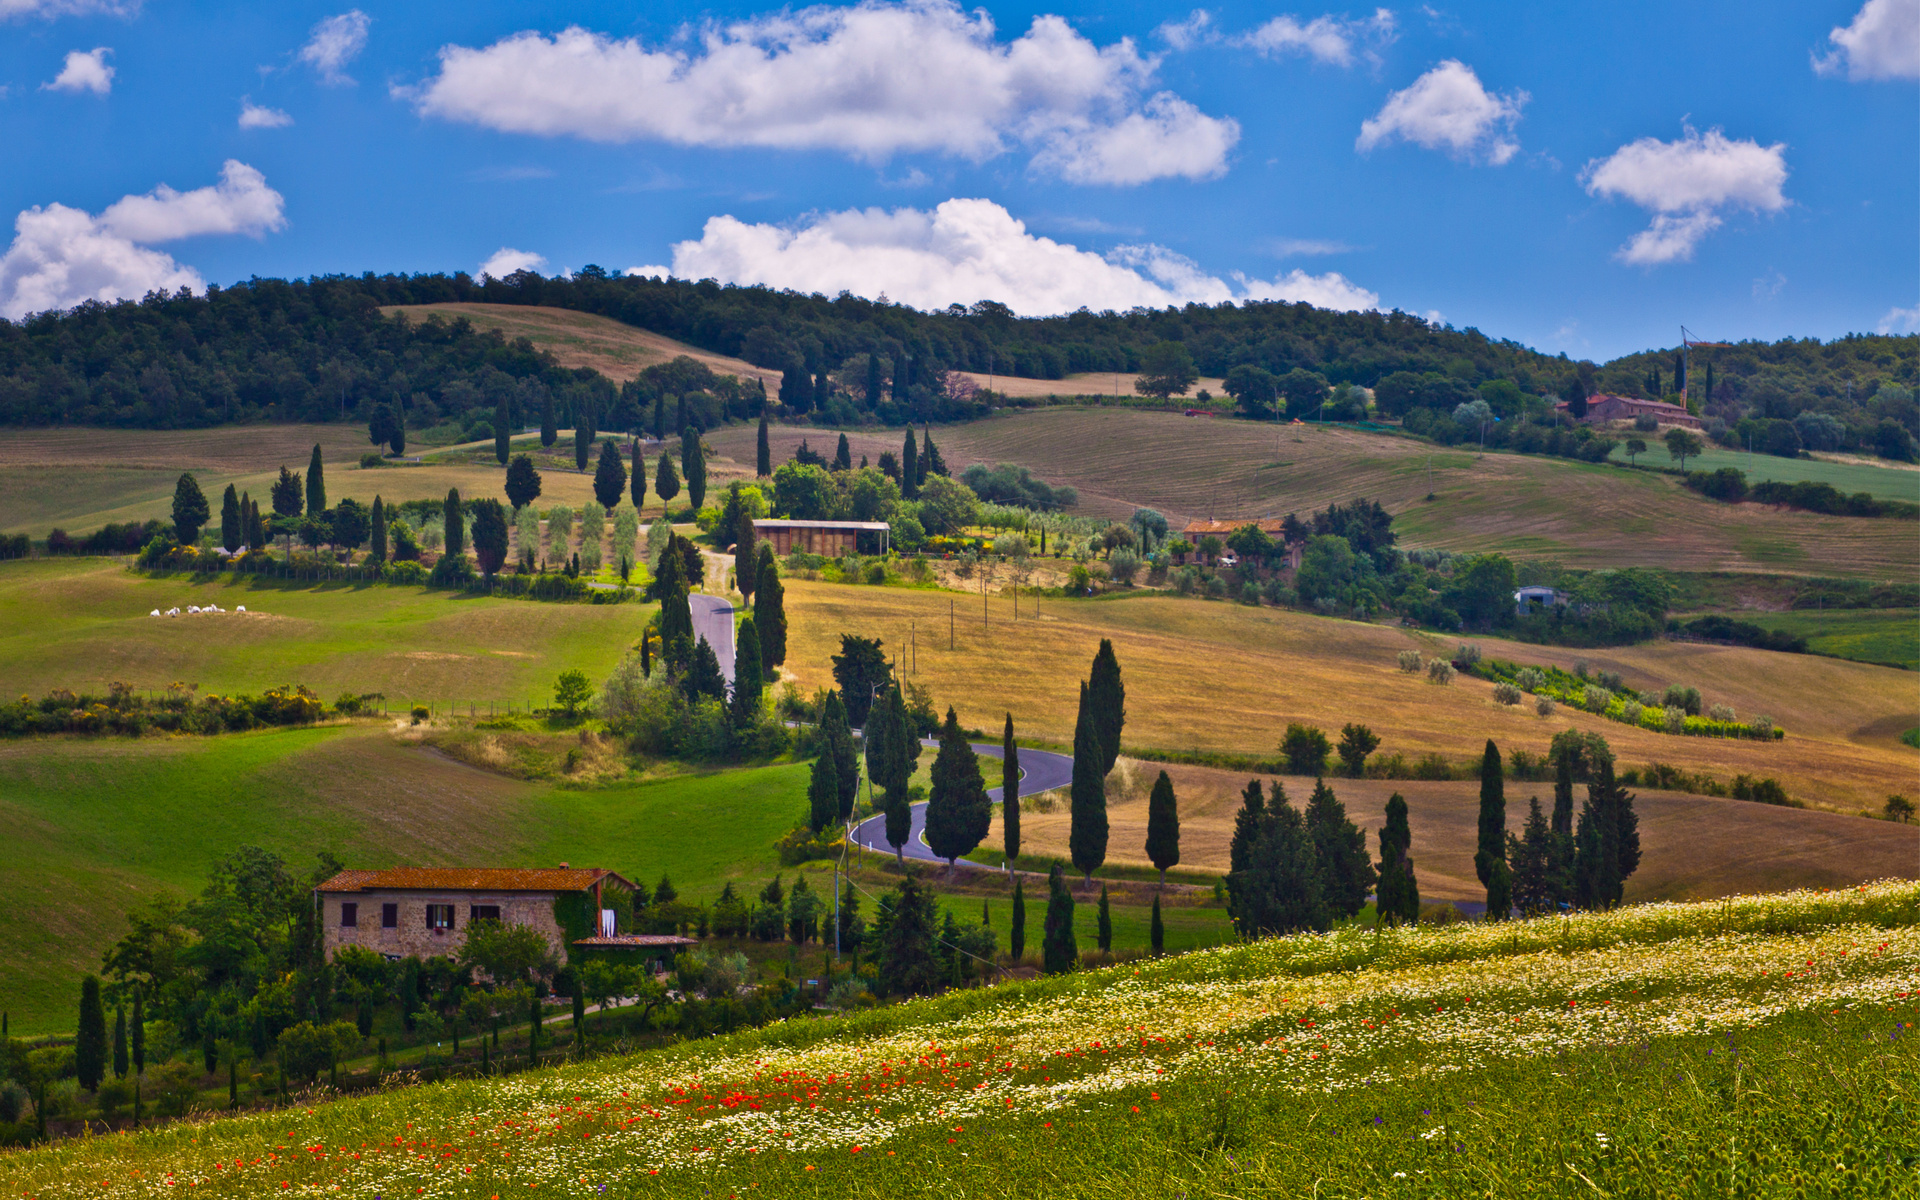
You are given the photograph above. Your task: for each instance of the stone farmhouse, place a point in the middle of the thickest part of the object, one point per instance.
(1604, 409)
(835, 539)
(425, 912)
(1271, 526)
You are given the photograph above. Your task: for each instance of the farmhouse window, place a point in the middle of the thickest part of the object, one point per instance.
(389, 916)
(483, 912)
(439, 916)
(349, 916)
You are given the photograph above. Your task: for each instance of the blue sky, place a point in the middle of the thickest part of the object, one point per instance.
(1581, 178)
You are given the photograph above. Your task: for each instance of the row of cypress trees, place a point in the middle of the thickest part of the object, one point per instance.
(1558, 864)
(1289, 871)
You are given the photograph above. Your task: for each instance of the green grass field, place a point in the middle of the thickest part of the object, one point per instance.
(1877, 635)
(1759, 1046)
(1885, 483)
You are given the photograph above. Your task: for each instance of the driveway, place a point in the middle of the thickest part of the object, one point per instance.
(1040, 771)
(713, 620)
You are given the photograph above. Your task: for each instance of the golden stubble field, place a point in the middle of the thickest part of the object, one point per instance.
(1532, 507)
(1223, 677)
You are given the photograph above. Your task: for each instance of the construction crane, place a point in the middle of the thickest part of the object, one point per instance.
(1687, 343)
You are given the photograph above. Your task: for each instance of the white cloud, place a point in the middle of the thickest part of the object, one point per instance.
(255, 116)
(1882, 43)
(86, 71)
(871, 80)
(506, 260)
(49, 9)
(336, 42)
(1196, 30)
(1327, 39)
(1448, 109)
(1769, 286)
(1686, 184)
(968, 250)
(1900, 320)
(1303, 247)
(62, 256)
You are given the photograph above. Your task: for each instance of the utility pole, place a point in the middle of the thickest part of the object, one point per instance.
(949, 625)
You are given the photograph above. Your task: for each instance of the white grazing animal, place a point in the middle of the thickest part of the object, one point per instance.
(242, 608)
(154, 613)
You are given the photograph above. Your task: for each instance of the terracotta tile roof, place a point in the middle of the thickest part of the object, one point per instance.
(475, 879)
(1268, 525)
(638, 939)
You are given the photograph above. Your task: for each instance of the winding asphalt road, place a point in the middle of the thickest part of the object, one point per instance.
(1040, 771)
(713, 620)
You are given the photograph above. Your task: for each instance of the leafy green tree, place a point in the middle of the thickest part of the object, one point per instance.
(316, 483)
(571, 691)
(378, 551)
(1530, 857)
(823, 792)
(1163, 827)
(666, 481)
(1166, 369)
(1481, 589)
(1107, 697)
(1087, 836)
(693, 463)
(1305, 392)
(749, 681)
(1010, 793)
(189, 510)
(288, 496)
(1356, 743)
(1683, 444)
(350, 524)
(1060, 952)
(1398, 891)
(507, 954)
(837, 733)
(1490, 854)
(231, 532)
(1017, 929)
(610, 476)
(862, 671)
(90, 1041)
(490, 535)
(958, 813)
(1635, 447)
(453, 515)
(1254, 389)
(770, 609)
(1342, 849)
(763, 451)
(523, 481)
(1305, 748)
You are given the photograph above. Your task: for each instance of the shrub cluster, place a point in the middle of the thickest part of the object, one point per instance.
(1740, 633)
(16, 545)
(1677, 710)
(110, 538)
(123, 712)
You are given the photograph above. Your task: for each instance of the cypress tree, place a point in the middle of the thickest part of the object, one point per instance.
(119, 1042)
(1596, 856)
(1060, 952)
(1010, 793)
(1560, 842)
(549, 426)
(763, 451)
(1163, 827)
(693, 460)
(769, 609)
(189, 509)
(748, 682)
(1398, 892)
(523, 482)
(1283, 887)
(1342, 847)
(638, 481)
(680, 414)
(1706, 394)
(398, 443)
(379, 534)
(823, 792)
(1490, 856)
(909, 467)
(930, 460)
(1107, 696)
(666, 481)
(704, 680)
(1246, 824)
(838, 736)
(873, 379)
(455, 542)
(1105, 924)
(877, 742)
(746, 555)
(1087, 838)
(137, 1035)
(843, 455)
(958, 814)
(316, 484)
(1157, 932)
(1529, 856)
(1017, 930)
(231, 532)
(90, 1040)
(609, 477)
(502, 435)
(582, 443)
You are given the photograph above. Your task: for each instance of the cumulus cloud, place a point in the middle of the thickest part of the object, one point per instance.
(1687, 184)
(86, 71)
(1196, 30)
(1448, 109)
(336, 42)
(49, 9)
(62, 256)
(1882, 43)
(872, 80)
(256, 116)
(966, 250)
(1900, 320)
(506, 260)
(1337, 41)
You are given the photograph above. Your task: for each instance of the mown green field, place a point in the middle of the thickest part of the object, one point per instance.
(1876, 635)
(1752, 1047)
(1886, 483)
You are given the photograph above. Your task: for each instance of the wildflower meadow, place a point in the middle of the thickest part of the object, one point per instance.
(1753, 1046)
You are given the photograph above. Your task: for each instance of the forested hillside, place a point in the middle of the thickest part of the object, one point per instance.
(319, 350)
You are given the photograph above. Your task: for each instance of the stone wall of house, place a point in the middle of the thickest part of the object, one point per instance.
(411, 938)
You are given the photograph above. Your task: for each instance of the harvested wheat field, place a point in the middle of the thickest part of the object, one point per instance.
(1693, 847)
(1228, 678)
(1530, 507)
